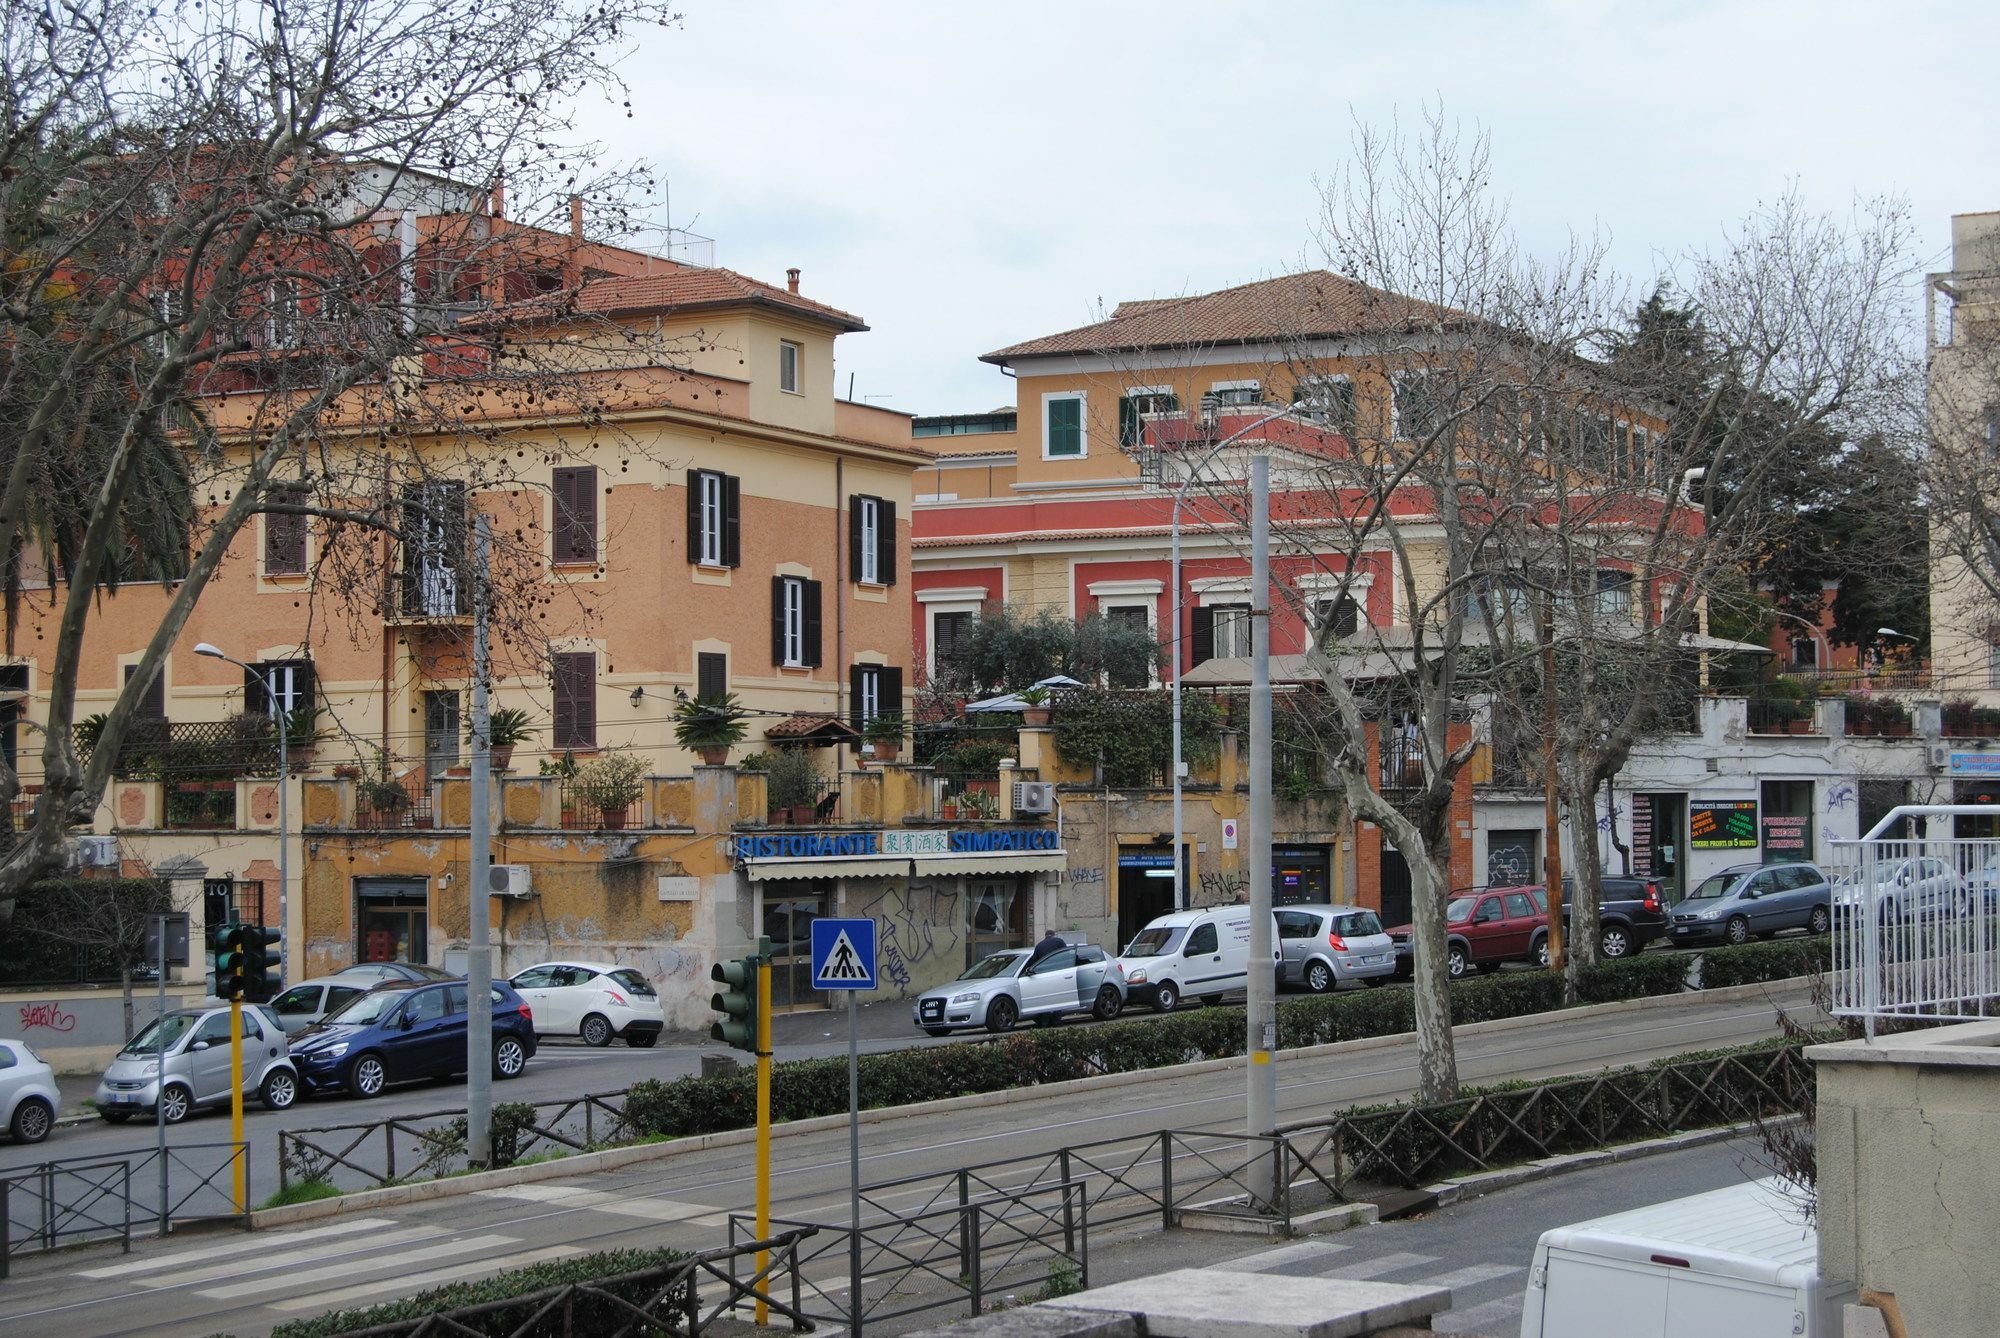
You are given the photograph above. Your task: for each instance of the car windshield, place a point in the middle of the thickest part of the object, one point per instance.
(162, 1033)
(298, 999)
(999, 964)
(1713, 886)
(634, 982)
(1459, 909)
(368, 1008)
(1156, 942)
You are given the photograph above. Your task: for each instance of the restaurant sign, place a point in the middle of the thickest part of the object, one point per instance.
(834, 845)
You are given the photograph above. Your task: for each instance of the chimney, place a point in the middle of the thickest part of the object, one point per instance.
(792, 279)
(498, 201)
(576, 218)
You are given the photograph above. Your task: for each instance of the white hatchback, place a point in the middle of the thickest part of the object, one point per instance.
(28, 1096)
(594, 1000)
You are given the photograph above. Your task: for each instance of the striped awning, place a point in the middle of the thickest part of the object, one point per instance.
(833, 866)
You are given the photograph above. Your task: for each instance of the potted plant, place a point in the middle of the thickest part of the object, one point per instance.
(885, 734)
(303, 735)
(793, 783)
(1035, 707)
(505, 729)
(710, 726)
(980, 805)
(380, 798)
(611, 784)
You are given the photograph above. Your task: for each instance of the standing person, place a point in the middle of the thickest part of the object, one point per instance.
(1051, 942)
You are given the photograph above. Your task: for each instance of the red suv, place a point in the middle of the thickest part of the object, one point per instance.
(1485, 926)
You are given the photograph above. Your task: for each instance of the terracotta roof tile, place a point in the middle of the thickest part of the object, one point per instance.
(1315, 303)
(694, 286)
(808, 727)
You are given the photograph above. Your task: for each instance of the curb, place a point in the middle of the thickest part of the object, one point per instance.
(563, 1168)
(1447, 1192)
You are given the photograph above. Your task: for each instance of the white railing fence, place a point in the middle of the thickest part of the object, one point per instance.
(1916, 918)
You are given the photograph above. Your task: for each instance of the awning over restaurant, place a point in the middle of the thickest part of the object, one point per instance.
(837, 866)
(1018, 861)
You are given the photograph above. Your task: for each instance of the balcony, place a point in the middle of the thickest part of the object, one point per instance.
(190, 751)
(429, 594)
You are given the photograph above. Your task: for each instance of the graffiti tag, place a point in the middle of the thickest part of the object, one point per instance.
(1605, 821)
(1222, 886)
(1091, 874)
(1839, 796)
(48, 1015)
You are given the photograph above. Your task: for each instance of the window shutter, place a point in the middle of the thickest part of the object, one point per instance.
(285, 535)
(306, 681)
(811, 637)
(1347, 616)
(885, 541)
(1128, 421)
(777, 620)
(256, 701)
(732, 521)
(856, 559)
(711, 677)
(891, 694)
(575, 492)
(1204, 635)
(855, 674)
(576, 700)
(153, 700)
(694, 514)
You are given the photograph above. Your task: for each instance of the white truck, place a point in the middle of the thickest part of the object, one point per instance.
(1741, 1262)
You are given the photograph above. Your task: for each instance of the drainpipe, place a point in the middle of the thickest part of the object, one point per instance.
(840, 587)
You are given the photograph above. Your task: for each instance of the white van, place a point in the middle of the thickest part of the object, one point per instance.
(1741, 1261)
(1204, 953)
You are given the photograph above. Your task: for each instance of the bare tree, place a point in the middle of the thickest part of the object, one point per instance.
(258, 262)
(101, 919)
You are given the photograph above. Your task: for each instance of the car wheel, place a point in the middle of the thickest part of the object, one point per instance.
(33, 1119)
(1737, 931)
(1319, 976)
(509, 1058)
(1538, 952)
(1456, 962)
(1614, 943)
(1820, 921)
(366, 1077)
(1166, 999)
(176, 1103)
(1001, 1014)
(596, 1031)
(642, 1040)
(937, 1031)
(114, 1116)
(279, 1089)
(1110, 1003)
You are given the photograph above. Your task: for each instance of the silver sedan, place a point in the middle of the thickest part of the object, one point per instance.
(999, 990)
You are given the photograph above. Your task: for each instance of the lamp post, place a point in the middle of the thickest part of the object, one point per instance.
(1818, 634)
(284, 804)
(1180, 495)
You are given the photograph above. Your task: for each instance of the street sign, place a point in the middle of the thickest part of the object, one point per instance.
(174, 925)
(843, 955)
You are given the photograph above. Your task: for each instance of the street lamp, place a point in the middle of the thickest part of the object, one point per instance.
(1818, 634)
(1180, 495)
(284, 802)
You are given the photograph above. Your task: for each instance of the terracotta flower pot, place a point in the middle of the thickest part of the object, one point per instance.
(613, 819)
(1035, 717)
(714, 757)
(888, 752)
(501, 755)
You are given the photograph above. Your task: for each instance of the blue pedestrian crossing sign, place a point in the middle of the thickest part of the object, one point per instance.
(843, 954)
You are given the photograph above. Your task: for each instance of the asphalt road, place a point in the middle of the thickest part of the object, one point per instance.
(243, 1286)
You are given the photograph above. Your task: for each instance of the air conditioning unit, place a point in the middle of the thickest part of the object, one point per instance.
(510, 880)
(95, 852)
(1940, 756)
(1034, 796)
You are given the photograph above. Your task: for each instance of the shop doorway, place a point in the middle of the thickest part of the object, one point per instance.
(1511, 857)
(1395, 899)
(1300, 875)
(1657, 843)
(1786, 821)
(790, 907)
(1145, 889)
(999, 916)
(392, 920)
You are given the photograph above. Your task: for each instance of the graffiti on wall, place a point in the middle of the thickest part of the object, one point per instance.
(1087, 876)
(1223, 885)
(1840, 795)
(915, 924)
(49, 1016)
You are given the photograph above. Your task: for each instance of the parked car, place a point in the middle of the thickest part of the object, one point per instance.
(1204, 952)
(1754, 901)
(28, 1096)
(380, 971)
(181, 1060)
(1001, 988)
(594, 1000)
(406, 1030)
(1630, 914)
(310, 1000)
(1485, 927)
(1905, 889)
(1321, 946)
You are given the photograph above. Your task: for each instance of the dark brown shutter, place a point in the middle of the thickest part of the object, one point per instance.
(256, 699)
(711, 675)
(811, 638)
(285, 535)
(694, 513)
(885, 541)
(856, 674)
(575, 492)
(732, 521)
(892, 692)
(777, 620)
(153, 700)
(576, 700)
(856, 558)
(1204, 635)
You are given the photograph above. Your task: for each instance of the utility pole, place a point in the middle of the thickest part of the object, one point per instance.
(479, 963)
(1552, 859)
(1262, 1012)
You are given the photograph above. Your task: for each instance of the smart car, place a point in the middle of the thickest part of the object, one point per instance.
(1000, 989)
(181, 1060)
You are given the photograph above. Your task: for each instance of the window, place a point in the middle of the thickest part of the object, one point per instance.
(1519, 907)
(171, 310)
(575, 701)
(153, 699)
(1418, 410)
(281, 317)
(714, 521)
(794, 622)
(1139, 618)
(1132, 411)
(1221, 632)
(13, 692)
(711, 675)
(1202, 940)
(1489, 911)
(1614, 595)
(1989, 432)
(1330, 399)
(874, 689)
(434, 533)
(1226, 393)
(1338, 617)
(948, 632)
(292, 680)
(1297, 925)
(1805, 652)
(791, 358)
(285, 532)
(871, 539)
(1062, 427)
(575, 529)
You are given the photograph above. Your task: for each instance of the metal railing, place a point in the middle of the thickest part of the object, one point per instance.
(191, 750)
(366, 1154)
(1916, 917)
(969, 794)
(579, 815)
(394, 805)
(1780, 715)
(100, 1198)
(199, 806)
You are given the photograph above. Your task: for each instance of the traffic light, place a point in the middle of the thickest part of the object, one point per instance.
(263, 950)
(232, 960)
(737, 1003)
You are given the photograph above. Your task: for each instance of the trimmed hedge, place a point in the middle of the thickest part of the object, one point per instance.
(1754, 963)
(592, 1315)
(802, 1089)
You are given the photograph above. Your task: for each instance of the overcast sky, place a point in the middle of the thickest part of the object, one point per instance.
(965, 176)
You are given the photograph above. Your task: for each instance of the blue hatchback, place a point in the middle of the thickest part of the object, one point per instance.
(402, 1030)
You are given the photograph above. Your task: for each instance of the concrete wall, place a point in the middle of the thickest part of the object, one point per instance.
(78, 1030)
(1909, 1190)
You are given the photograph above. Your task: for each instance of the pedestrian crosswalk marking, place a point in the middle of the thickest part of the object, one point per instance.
(436, 1277)
(618, 1205)
(1284, 1257)
(1474, 1274)
(1375, 1268)
(309, 1255)
(284, 1281)
(843, 961)
(256, 1243)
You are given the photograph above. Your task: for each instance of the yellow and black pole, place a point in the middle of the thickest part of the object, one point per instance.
(763, 1112)
(236, 1102)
